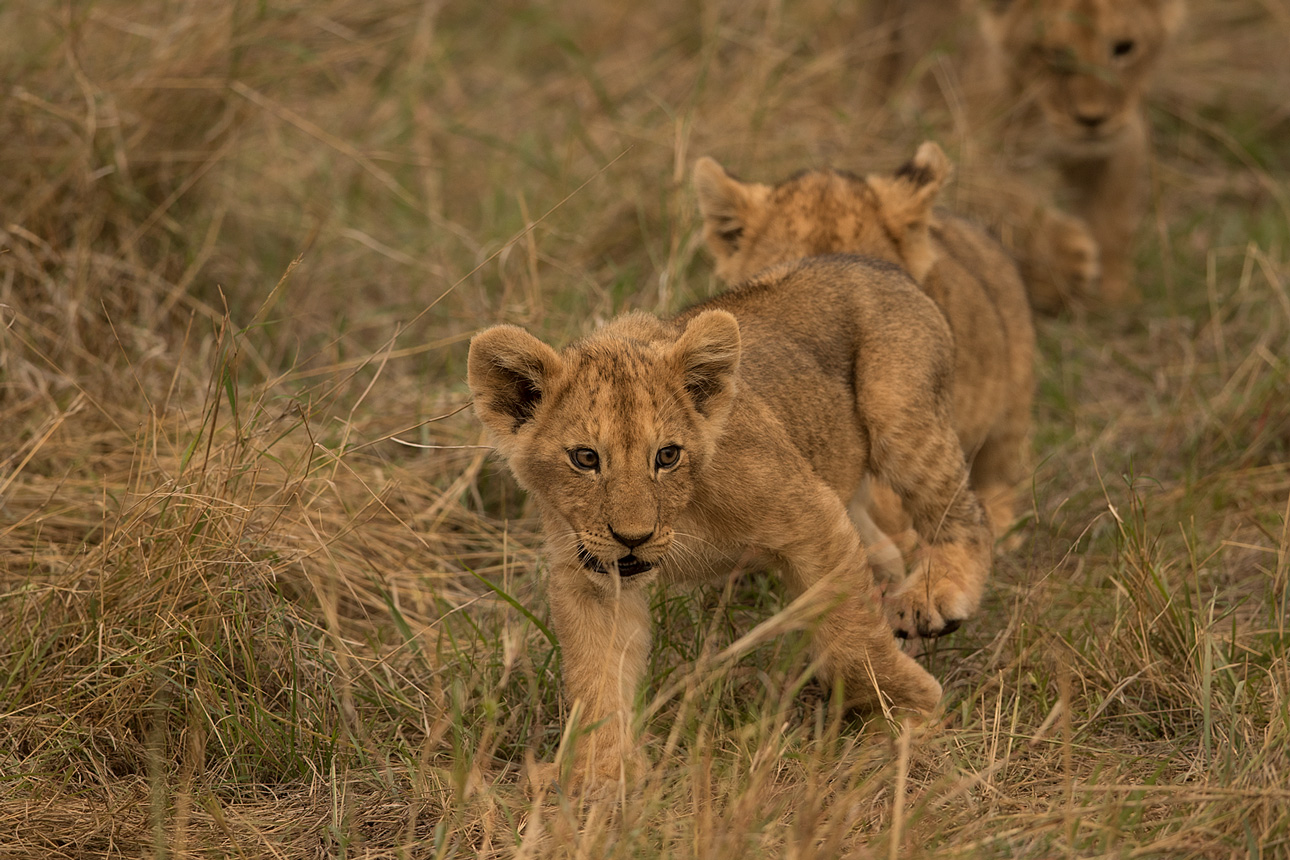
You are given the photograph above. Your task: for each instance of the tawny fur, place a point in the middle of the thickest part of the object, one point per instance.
(1084, 67)
(782, 396)
(750, 226)
(1067, 78)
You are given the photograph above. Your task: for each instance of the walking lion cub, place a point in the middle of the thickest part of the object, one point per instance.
(668, 449)
(749, 227)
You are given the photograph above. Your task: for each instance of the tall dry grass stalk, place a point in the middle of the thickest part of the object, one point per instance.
(263, 594)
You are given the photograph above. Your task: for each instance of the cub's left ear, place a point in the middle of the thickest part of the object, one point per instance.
(707, 357)
(726, 205)
(907, 195)
(509, 372)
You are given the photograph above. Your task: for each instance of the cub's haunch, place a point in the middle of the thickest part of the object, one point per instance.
(668, 449)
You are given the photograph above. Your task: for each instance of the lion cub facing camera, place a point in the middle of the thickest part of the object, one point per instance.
(667, 449)
(1082, 68)
(749, 227)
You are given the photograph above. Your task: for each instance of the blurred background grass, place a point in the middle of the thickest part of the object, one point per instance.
(242, 248)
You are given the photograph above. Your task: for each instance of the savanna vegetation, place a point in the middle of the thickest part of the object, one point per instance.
(264, 594)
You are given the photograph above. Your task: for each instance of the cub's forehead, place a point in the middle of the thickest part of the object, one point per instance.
(822, 183)
(818, 212)
(608, 360)
(619, 387)
(814, 195)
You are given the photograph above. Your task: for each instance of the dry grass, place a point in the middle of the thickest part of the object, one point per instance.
(241, 616)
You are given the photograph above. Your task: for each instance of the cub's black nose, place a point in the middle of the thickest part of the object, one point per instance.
(628, 541)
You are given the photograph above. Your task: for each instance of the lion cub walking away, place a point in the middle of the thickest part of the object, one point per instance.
(666, 450)
(749, 227)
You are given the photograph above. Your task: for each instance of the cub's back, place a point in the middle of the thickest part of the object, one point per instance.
(818, 332)
(816, 315)
(976, 284)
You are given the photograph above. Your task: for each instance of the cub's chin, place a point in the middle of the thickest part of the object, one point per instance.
(1080, 144)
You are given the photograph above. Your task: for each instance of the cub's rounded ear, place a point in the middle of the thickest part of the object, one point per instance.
(707, 356)
(509, 371)
(906, 199)
(928, 169)
(906, 196)
(726, 205)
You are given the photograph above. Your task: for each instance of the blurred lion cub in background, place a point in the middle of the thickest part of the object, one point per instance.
(1058, 82)
(1081, 67)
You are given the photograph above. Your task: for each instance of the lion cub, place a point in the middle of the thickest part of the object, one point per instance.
(1081, 68)
(667, 449)
(750, 226)
(1058, 82)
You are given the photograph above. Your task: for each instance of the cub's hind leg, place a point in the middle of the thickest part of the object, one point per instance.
(1002, 462)
(904, 403)
(997, 471)
(872, 511)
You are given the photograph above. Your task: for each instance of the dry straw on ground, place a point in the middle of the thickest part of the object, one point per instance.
(263, 595)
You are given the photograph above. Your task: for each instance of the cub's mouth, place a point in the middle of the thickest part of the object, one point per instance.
(628, 566)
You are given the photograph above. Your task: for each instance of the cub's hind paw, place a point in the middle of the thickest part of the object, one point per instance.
(909, 615)
(942, 592)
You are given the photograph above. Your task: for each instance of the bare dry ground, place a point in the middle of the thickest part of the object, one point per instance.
(262, 594)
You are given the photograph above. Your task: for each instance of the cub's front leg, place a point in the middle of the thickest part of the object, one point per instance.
(787, 511)
(603, 626)
(826, 566)
(1110, 194)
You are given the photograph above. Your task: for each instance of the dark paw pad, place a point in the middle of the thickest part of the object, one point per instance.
(926, 630)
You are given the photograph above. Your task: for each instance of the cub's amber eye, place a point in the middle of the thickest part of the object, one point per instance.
(1123, 48)
(585, 458)
(667, 456)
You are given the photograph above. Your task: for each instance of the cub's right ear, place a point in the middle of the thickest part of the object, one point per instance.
(509, 371)
(725, 204)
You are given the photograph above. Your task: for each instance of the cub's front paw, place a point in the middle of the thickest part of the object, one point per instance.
(917, 699)
(589, 779)
(1076, 254)
(1063, 264)
(544, 778)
